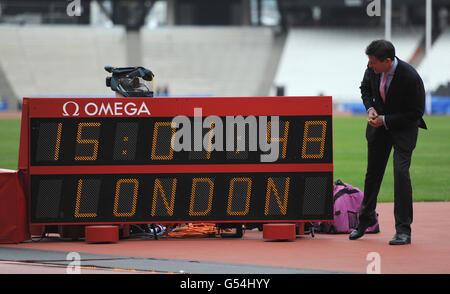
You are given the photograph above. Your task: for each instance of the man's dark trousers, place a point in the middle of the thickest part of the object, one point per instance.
(378, 156)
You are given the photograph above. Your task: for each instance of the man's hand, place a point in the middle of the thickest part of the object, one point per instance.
(374, 119)
(376, 122)
(372, 114)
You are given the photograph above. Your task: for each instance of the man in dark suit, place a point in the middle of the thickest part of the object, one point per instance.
(393, 94)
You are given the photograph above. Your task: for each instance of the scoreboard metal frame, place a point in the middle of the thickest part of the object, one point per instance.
(110, 161)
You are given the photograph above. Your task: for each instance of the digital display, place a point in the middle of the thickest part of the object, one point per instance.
(154, 160)
(144, 141)
(180, 197)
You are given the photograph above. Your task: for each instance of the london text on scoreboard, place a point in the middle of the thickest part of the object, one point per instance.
(151, 160)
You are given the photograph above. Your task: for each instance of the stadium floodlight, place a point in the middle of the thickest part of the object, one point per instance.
(130, 81)
(388, 22)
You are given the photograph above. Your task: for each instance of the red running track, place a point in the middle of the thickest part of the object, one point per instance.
(428, 254)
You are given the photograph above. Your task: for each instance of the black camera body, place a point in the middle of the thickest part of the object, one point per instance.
(130, 81)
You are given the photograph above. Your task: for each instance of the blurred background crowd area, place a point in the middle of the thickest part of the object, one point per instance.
(210, 48)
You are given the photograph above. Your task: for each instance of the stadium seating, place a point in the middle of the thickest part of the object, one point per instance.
(68, 60)
(52, 60)
(217, 61)
(331, 61)
(434, 69)
(59, 60)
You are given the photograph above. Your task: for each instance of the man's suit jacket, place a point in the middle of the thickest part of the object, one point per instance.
(403, 109)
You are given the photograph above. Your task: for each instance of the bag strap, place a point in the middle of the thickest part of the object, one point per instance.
(339, 183)
(345, 191)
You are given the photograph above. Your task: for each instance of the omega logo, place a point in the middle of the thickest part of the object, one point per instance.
(72, 108)
(76, 110)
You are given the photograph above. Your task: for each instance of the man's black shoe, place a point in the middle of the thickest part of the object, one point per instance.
(359, 232)
(356, 234)
(400, 239)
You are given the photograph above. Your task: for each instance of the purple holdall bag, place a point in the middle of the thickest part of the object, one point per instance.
(347, 202)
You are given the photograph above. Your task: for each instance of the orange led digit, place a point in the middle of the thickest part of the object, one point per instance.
(94, 142)
(158, 190)
(195, 181)
(155, 156)
(117, 196)
(247, 196)
(282, 203)
(238, 138)
(58, 141)
(283, 139)
(307, 139)
(78, 201)
(124, 151)
(211, 135)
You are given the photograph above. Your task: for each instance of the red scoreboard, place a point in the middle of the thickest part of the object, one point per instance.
(114, 160)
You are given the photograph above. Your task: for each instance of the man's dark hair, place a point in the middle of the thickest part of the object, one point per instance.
(381, 49)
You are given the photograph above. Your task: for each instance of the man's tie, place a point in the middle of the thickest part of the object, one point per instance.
(383, 87)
